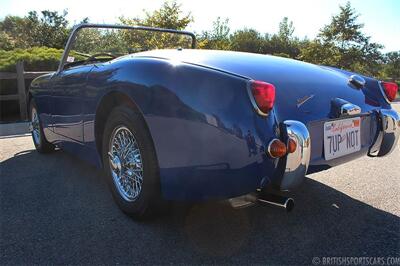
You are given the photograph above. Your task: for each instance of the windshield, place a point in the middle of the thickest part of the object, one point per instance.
(94, 44)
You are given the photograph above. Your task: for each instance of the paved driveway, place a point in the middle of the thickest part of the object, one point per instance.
(56, 209)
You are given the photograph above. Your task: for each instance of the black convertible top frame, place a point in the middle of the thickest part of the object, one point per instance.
(76, 28)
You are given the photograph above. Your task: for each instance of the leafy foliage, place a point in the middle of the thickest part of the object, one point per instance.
(348, 47)
(48, 29)
(169, 16)
(341, 43)
(283, 43)
(247, 40)
(91, 41)
(218, 37)
(391, 68)
(35, 59)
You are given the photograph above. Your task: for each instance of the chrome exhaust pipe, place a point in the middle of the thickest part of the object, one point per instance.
(263, 199)
(276, 200)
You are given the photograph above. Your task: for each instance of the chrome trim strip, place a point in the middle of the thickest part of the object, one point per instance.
(303, 100)
(297, 162)
(75, 29)
(383, 92)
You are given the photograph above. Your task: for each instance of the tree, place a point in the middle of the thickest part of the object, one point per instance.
(50, 29)
(320, 53)
(218, 37)
(6, 42)
(16, 31)
(47, 29)
(286, 30)
(340, 43)
(391, 69)
(352, 48)
(247, 40)
(343, 31)
(283, 43)
(169, 16)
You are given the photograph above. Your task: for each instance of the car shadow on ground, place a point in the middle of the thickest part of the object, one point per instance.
(56, 209)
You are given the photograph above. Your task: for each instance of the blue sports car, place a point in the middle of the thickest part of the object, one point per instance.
(193, 125)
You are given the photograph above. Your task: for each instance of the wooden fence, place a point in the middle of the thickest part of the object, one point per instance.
(20, 75)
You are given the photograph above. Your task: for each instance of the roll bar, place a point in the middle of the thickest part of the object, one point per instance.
(76, 28)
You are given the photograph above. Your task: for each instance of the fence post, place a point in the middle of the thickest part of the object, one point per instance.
(21, 90)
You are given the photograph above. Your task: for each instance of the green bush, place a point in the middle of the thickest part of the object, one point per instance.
(35, 59)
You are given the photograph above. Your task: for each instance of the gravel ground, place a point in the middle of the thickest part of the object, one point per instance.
(55, 209)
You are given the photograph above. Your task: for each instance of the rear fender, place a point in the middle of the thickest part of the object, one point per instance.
(209, 141)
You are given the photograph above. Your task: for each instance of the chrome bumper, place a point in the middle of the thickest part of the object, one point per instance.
(295, 164)
(389, 133)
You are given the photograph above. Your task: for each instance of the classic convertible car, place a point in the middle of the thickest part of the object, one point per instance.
(187, 124)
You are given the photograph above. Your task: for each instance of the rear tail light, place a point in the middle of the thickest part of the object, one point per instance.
(390, 89)
(291, 145)
(264, 95)
(276, 149)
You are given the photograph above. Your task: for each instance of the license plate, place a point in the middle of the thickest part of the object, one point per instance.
(342, 137)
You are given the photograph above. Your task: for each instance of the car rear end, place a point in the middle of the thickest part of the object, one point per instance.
(327, 118)
(305, 117)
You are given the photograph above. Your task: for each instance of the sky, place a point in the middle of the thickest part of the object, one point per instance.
(380, 17)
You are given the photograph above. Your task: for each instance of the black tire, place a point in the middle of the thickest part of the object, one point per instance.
(40, 141)
(148, 201)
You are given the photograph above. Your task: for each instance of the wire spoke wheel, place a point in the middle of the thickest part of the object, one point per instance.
(125, 162)
(35, 126)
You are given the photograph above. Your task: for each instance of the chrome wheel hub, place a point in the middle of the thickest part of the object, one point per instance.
(35, 126)
(125, 162)
(116, 163)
